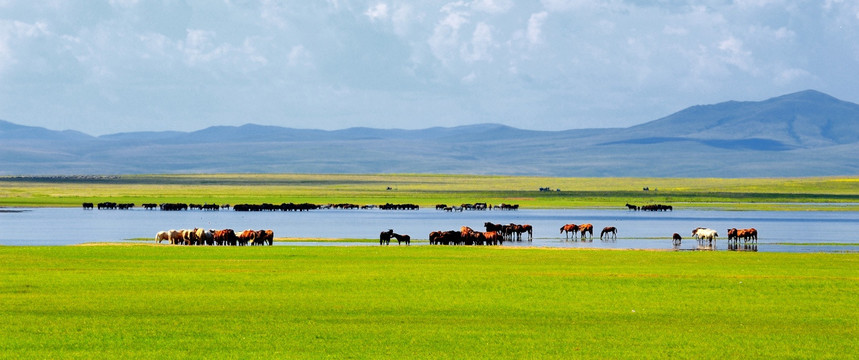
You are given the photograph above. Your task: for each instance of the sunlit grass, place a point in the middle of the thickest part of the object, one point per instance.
(423, 302)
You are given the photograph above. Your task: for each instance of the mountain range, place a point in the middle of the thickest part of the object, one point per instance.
(807, 133)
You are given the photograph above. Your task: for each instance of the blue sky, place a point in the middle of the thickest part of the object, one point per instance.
(133, 65)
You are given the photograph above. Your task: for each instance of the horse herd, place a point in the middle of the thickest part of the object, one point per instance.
(226, 237)
(709, 235)
(496, 234)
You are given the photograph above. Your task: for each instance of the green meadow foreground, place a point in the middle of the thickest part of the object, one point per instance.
(428, 190)
(423, 302)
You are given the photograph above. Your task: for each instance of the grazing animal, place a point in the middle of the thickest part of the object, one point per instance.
(385, 237)
(569, 228)
(706, 234)
(176, 237)
(162, 235)
(402, 238)
(246, 237)
(676, 239)
(586, 229)
(632, 207)
(528, 229)
(609, 230)
(87, 206)
(226, 237)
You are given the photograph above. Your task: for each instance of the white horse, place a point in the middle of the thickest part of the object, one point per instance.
(705, 233)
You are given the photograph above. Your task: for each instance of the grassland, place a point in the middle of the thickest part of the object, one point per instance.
(423, 302)
(428, 190)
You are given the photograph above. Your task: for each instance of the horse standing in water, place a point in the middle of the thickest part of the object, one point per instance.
(610, 232)
(569, 228)
(385, 237)
(676, 239)
(584, 229)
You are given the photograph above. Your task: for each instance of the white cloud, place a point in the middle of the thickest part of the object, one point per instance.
(377, 12)
(492, 6)
(299, 56)
(535, 27)
(789, 76)
(445, 38)
(481, 44)
(734, 54)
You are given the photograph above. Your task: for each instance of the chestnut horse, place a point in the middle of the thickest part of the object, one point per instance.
(569, 228)
(586, 228)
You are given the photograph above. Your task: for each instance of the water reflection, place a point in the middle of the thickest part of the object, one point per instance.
(779, 231)
(736, 246)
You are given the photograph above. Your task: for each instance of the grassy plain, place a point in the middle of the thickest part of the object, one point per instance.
(428, 190)
(423, 302)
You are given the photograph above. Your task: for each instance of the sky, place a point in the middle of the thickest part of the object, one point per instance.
(113, 66)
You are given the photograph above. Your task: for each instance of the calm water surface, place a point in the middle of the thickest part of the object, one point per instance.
(791, 231)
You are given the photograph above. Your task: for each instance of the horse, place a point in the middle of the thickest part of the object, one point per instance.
(385, 237)
(631, 207)
(268, 237)
(246, 237)
(586, 228)
(162, 235)
(609, 230)
(225, 237)
(569, 228)
(402, 238)
(676, 239)
(708, 234)
(732, 234)
(175, 237)
(753, 234)
(528, 229)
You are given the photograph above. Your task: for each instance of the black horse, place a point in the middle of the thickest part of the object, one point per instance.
(385, 237)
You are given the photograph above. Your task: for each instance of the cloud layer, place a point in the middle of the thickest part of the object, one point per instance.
(128, 65)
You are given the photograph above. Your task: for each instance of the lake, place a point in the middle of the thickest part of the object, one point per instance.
(791, 231)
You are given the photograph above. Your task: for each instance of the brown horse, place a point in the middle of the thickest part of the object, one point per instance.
(528, 229)
(402, 238)
(569, 228)
(585, 229)
(676, 239)
(609, 230)
(247, 237)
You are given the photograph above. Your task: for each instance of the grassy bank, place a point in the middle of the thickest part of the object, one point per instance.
(428, 190)
(423, 302)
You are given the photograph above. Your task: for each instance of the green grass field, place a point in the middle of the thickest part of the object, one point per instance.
(423, 302)
(428, 190)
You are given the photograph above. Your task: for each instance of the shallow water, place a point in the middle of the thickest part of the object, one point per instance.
(790, 231)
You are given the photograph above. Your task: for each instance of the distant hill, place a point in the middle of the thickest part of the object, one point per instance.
(801, 134)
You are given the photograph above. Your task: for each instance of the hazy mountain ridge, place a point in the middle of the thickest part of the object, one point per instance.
(802, 134)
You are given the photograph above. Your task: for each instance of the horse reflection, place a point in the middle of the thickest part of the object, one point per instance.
(735, 246)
